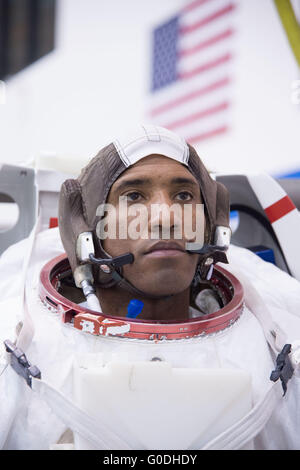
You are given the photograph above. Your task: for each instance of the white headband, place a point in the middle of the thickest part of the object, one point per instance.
(148, 140)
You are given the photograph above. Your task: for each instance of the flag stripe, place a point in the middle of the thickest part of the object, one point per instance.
(191, 6)
(209, 42)
(204, 67)
(196, 116)
(208, 19)
(206, 135)
(190, 96)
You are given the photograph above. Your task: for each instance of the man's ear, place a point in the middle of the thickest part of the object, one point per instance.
(71, 219)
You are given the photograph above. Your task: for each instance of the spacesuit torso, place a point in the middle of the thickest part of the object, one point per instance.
(189, 389)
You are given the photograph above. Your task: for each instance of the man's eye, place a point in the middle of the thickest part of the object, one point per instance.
(184, 196)
(133, 196)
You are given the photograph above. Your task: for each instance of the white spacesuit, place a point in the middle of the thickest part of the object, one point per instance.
(117, 390)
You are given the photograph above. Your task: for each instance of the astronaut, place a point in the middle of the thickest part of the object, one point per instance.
(143, 338)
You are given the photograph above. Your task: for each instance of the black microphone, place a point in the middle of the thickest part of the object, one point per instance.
(206, 249)
(216, 252)
(116, 262)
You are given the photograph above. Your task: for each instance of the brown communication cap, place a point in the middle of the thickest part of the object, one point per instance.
(80, 198)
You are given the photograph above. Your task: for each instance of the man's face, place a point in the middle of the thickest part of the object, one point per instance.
(161, 265)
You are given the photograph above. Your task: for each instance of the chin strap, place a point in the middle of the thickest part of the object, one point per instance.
(85, 251)
(211, 254)
(86, 254)
(110, 265)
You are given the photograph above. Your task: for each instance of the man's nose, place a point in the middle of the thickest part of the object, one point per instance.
(161, 197)
(165, 215)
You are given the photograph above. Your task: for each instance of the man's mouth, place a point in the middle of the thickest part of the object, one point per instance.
(165, 249)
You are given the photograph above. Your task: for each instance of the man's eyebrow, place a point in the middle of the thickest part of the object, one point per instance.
(141, 181)
(132, 182)
(181, 180)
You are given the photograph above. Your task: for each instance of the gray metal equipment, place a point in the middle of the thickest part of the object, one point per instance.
(17, 184)
(254, 229)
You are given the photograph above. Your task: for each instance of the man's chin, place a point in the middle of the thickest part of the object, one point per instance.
(163, 280)
(163, 288)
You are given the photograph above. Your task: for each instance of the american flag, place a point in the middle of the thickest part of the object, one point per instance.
(192, 70)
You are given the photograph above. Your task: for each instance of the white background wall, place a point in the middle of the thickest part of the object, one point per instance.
(75, 100)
